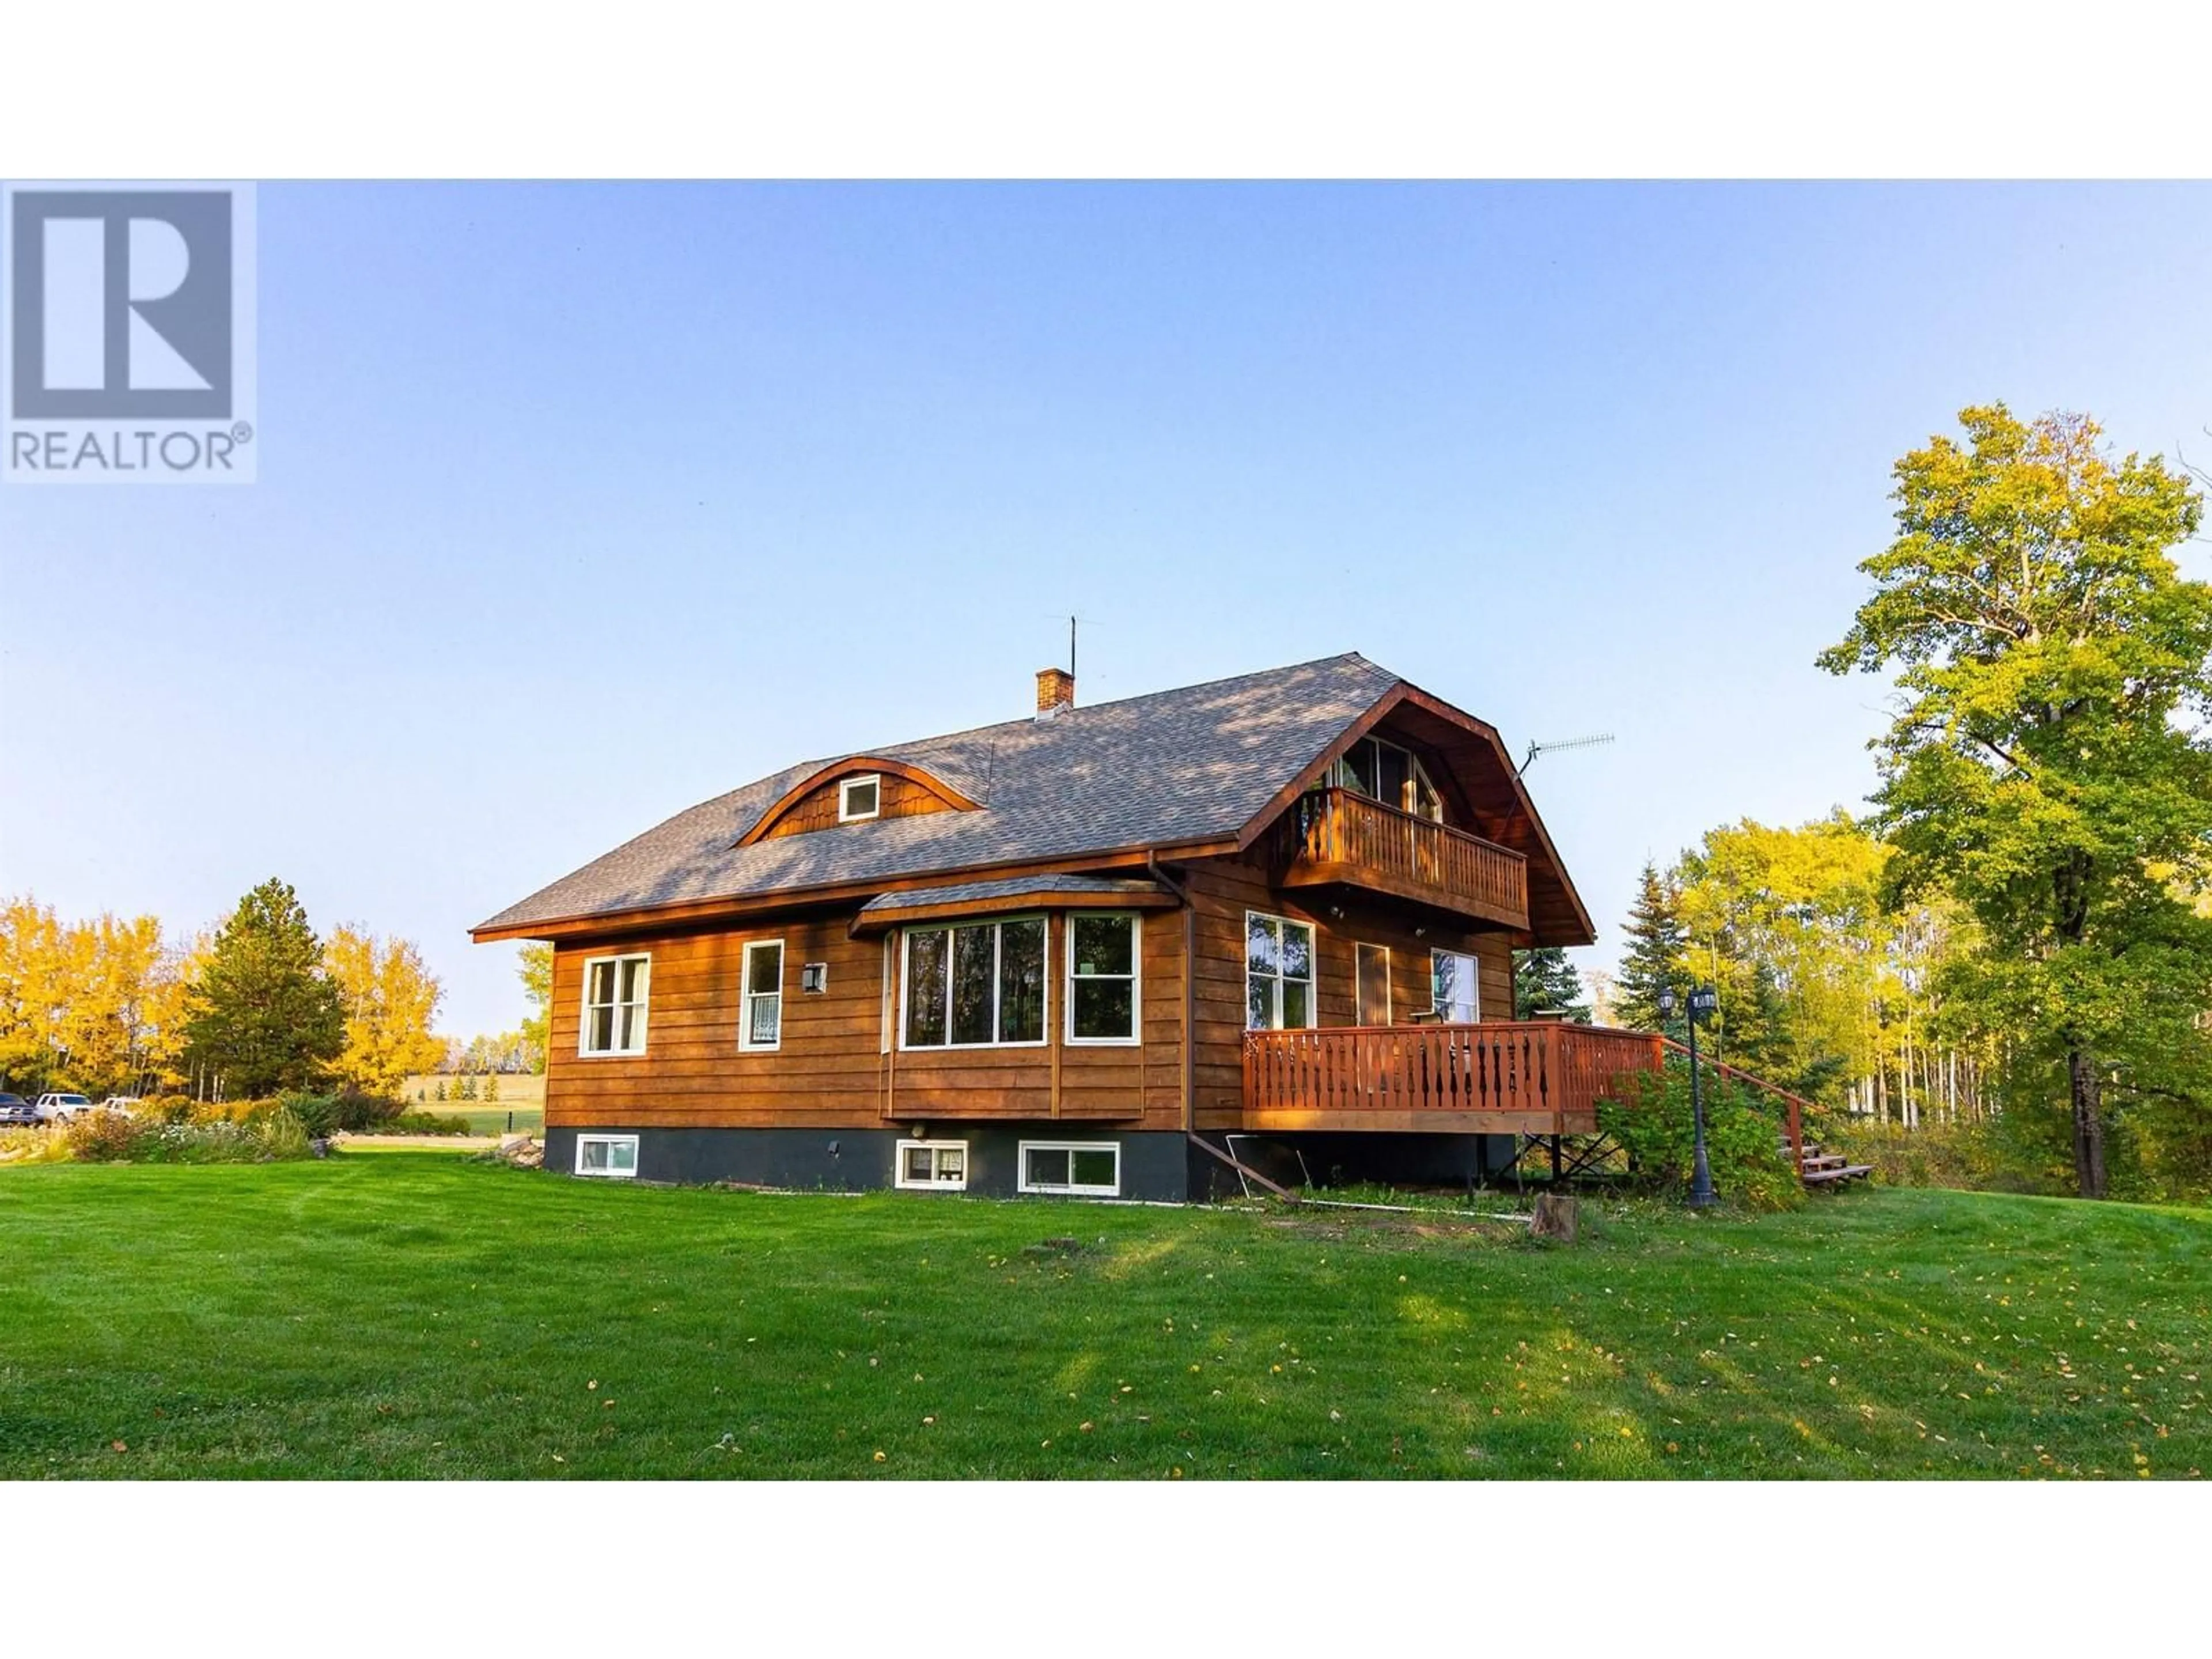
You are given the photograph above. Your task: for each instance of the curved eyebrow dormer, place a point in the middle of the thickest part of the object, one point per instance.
(816, 802)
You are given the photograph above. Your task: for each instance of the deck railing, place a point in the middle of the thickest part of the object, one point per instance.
(1547, 1077)
(1340, 836)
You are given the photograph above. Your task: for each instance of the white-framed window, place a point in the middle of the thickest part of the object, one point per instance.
(1105, 955)
(1278, 973)
(1455, 986)
(1371, 984)
(614, 1156)
(614, 1005)
(760, 1015)
(938, 1166)
(1087, 1169)
(979, 985)
(859, 798)
(1385, 771)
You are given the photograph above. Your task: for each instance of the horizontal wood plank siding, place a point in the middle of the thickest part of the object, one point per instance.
(1224, 889)
(830, 1070)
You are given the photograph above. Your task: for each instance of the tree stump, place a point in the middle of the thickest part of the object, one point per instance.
(1555, 1216)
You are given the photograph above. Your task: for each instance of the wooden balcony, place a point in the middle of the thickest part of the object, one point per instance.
(1337, 836)
(1506, 1077)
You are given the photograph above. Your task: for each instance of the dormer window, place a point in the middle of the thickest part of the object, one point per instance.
(859, 798)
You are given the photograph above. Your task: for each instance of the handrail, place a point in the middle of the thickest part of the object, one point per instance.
(1339, 830)
(1544, 1071)
(1798, 1104)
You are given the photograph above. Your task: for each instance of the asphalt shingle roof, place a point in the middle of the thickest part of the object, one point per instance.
(1191, 764)
(964, 892)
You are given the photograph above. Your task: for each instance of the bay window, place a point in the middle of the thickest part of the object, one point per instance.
(978, 985)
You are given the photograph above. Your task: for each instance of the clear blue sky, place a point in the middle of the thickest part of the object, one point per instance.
(579, 505)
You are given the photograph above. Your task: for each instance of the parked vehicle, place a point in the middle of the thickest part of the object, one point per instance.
(15, 1111)
(126, 1104)
(59, 1107)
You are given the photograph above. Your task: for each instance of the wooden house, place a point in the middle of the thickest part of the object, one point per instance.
(1093, 951)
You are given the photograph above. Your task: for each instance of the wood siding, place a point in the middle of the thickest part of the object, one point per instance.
(900, 798)
(1223, 890)
(832, 1068)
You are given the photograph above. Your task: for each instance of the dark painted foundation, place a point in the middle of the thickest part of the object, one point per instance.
(1154, 1165)
(1159, 1166)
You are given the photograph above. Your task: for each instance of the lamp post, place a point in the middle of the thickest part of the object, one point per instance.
(1703, 1001)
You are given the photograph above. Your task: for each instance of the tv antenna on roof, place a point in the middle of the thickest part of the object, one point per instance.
(1536, 748)
(1072, 621)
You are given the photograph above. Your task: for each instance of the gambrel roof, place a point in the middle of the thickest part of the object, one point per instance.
(1202, 765)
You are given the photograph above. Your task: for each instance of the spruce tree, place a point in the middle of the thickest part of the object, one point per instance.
(266, 1016)
(1544, 981)
(1652, 960)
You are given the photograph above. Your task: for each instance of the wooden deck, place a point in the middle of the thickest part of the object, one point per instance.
(1505, 1077)
(1337, 836)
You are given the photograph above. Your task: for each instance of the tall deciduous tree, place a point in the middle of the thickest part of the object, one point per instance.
(389, 1001)
(2041, 767)
(266, 1016)
(1656, 945)
(96, 1005)
(1544, 981)
(536, 967)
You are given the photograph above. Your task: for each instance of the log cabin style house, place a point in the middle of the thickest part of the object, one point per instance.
(1097, 952)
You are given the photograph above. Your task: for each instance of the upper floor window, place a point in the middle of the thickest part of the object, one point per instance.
(614, 1005)
(1278, 973)
(1385, 771)
(977, 985)
(859, 798)
(1102, 978)
(761, 1020)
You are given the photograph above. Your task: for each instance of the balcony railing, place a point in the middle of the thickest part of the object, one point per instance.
(1338, 836)
(1506, 1077)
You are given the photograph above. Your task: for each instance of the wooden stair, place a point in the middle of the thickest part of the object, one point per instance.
(1820, 1168)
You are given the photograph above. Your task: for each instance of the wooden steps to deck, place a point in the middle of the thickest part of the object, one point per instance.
(1818, 1168)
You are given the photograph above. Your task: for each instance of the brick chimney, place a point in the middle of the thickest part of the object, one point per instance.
(1055, 691)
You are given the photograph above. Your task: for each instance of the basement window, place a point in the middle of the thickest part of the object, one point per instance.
(859, 798)
(606, 1155)
(1089, 1169)
(939, 1166)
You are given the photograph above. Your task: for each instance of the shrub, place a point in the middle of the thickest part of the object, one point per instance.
(1971, 1157)
(109, 1136)
(261, 1131)
(27, 1146)
(1743, 1139)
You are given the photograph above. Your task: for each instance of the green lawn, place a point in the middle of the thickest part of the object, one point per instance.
(417, 1315)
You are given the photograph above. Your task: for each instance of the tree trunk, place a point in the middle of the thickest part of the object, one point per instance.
(2088, 1124)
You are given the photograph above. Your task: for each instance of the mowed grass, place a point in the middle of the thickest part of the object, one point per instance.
(414, 1315)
